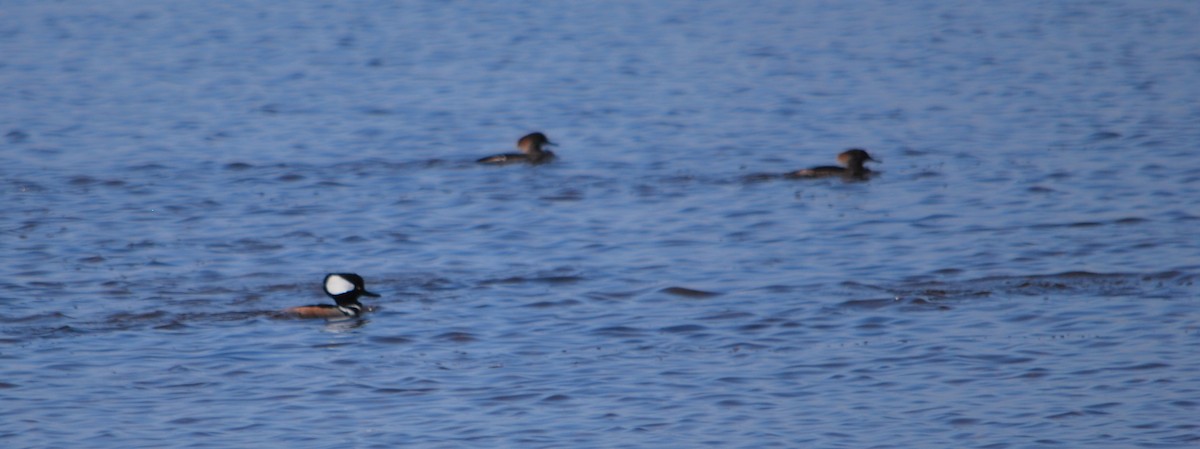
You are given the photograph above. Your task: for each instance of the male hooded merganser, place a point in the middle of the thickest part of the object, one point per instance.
(853, 160)
(531, 151)
(344, 288)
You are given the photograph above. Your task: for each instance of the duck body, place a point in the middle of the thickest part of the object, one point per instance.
(345, 289)
(512, 158)
(327, 311)
(531, 152)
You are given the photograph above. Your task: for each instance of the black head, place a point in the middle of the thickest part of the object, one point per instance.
(345, 288)
(855, 156)
(534, 140)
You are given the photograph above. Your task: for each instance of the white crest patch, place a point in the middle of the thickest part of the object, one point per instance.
(337, 285)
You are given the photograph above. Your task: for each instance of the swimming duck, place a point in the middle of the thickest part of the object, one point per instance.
(852, 159)
(531, 151)
(345, 289)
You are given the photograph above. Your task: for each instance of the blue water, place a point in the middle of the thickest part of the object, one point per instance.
(1023, 273)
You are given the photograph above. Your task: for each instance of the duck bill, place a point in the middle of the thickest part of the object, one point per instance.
(367, 293)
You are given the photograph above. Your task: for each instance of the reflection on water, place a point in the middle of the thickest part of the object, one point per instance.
(1020, 272)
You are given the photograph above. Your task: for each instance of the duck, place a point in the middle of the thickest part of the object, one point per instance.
(852, 159)
(345, 289)
(531, 151)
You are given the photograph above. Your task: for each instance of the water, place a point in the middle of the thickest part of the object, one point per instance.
(1022, 274)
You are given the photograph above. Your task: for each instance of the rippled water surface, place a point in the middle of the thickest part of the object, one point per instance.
(1022, 273)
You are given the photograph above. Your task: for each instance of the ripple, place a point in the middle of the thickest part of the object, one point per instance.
(618, 331)
(392, 340)
(688, 292)
(457, 337)
(684, 329)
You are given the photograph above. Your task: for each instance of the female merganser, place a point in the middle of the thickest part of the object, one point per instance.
(853, 160)
(344, 288)
(531, 151)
